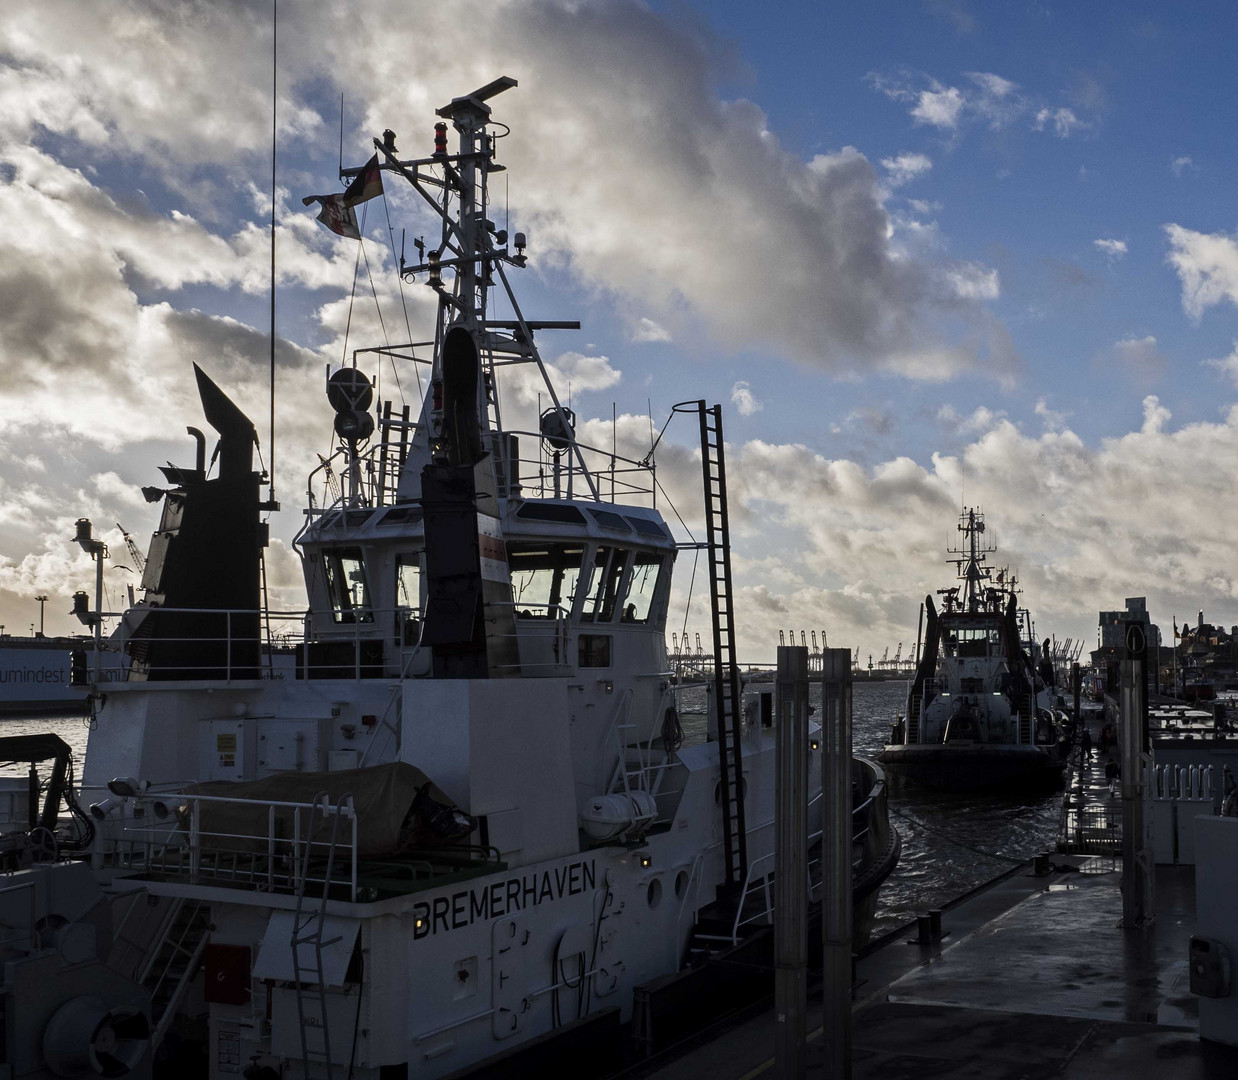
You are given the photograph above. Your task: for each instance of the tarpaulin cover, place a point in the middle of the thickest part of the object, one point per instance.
(382, 796)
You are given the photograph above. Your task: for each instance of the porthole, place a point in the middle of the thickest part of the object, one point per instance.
(681, 883)
(653, 894)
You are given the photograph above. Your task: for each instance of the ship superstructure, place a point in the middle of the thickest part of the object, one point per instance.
(467, 816)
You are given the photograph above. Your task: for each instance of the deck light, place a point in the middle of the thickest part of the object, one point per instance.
(814, 744)
(646, 862)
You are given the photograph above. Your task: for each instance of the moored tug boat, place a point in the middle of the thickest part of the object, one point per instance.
(467, 820)
(979, 711)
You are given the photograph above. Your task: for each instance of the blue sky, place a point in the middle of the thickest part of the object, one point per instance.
(924, 252)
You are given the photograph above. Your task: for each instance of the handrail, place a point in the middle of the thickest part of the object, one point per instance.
(152, 846)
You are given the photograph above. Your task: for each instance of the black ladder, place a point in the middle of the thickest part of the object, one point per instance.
(726, 672)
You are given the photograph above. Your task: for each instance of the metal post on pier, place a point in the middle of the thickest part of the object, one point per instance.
(836, 931)
(1137, 872)
(790, 863)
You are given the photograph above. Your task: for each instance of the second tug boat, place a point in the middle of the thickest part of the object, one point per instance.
(467, 816)
(980, 709)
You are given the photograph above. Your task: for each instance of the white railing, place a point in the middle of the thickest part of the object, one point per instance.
(178, 845)
(371, 478)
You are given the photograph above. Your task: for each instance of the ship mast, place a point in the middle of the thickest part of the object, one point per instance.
(476, 250)
(971, 568)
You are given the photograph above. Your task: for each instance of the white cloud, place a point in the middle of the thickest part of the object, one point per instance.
(1083, 525)
(939, 106)
(906, 167)
(1062, 120)
(647, 330)
(1228, 365)
(1179, 165)
(1115, 249)
(1207, 266)
(974, 282)
(982, 419)
(1053, 420)
(991, 99)
(744, 400)
(1139, 356)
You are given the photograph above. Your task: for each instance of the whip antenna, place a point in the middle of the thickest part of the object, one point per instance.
(274, 108)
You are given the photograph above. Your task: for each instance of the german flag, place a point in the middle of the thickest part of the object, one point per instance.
(366, 185)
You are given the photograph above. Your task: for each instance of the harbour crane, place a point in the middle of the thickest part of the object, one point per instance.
(139, 560)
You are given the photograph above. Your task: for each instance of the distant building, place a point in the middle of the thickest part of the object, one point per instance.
(1113, 624)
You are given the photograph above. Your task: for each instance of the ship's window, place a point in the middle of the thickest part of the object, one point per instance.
(350, 598)
(593, 650)
(408, 596)
(610, 520)
(641, 586)
(544, 578)
(977, 640)
(567, 515)
(647, 527)
(608, 566)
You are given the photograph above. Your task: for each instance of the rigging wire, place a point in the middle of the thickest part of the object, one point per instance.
(352, 296)
(403, 304)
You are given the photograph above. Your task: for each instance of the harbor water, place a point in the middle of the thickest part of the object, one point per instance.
(951, 843)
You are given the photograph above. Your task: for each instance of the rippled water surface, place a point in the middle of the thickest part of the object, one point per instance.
(951, 843)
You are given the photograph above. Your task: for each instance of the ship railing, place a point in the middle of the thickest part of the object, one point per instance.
(558, 474)
(759, 879)
(172, 841)
(370, 479)
(541, 636)
(261, 643)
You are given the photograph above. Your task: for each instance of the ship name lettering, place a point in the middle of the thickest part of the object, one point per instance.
(500, 898)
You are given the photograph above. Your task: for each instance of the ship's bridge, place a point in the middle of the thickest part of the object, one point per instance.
(589, 587)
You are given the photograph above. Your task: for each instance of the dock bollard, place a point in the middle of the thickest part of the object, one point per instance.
(1040, 865)
(935, 923)
(924, 929)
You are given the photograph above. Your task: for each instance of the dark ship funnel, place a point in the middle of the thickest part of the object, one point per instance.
(203, 573)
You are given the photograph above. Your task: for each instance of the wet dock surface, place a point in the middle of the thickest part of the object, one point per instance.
(1034, 978)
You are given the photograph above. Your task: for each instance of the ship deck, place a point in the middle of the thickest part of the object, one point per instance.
(1034, 978)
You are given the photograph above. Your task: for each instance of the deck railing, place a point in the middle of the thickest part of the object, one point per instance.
(168, 838)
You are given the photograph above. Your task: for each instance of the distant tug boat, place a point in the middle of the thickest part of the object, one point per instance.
(979, 711)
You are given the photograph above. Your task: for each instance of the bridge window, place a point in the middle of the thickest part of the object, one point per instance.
(600, 602)
(544, 578)
(346, 586)
(646, 568)
(977, 641)
(408, 596)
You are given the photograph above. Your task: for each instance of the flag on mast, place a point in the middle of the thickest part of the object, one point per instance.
(366, 185)
(337, 212)
(336, 215)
